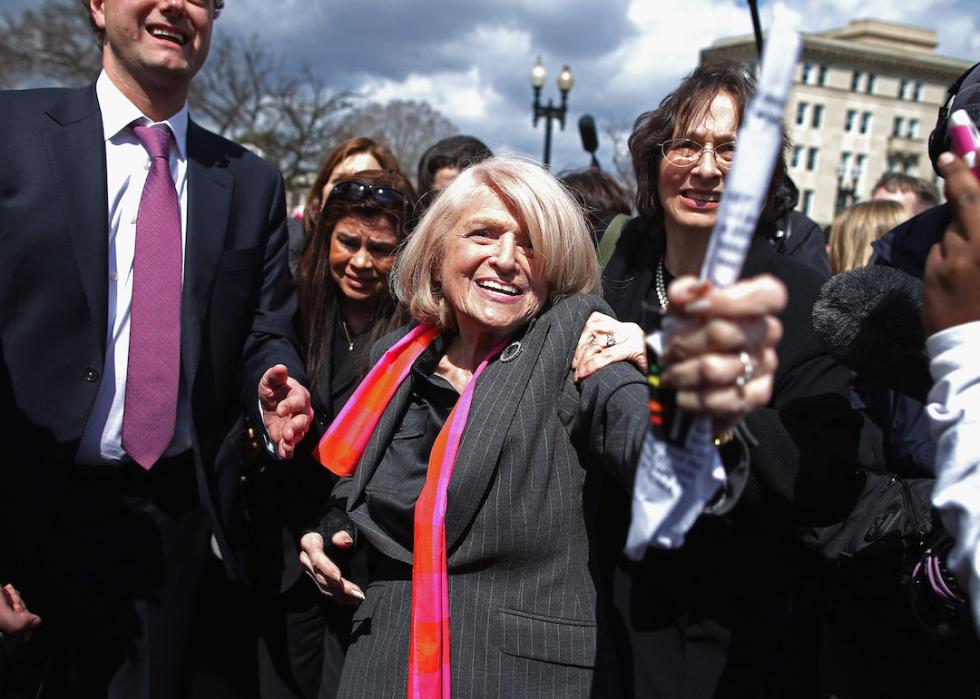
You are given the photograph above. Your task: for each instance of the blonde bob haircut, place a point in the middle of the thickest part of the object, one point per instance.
(563, 249)
(856, 227)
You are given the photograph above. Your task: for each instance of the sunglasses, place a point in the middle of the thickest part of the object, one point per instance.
(358, 191)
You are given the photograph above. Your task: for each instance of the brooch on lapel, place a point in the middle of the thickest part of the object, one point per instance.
(510, 351)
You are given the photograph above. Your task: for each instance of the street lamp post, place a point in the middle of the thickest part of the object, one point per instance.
(549, 111)
(846, 195)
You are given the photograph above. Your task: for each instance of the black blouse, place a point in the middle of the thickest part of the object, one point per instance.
(397, 482)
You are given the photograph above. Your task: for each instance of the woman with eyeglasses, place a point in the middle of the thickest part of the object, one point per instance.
(710, 619)
(345, 307)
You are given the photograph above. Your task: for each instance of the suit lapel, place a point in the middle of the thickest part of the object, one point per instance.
(76, 151)
(498, 392)
(209, 190)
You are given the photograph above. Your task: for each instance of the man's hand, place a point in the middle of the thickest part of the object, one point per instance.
(722, 359)
(324, 571)
(286, 409)
(15, 618)
(951, 288)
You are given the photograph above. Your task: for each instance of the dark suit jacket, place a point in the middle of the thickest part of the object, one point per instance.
(236, 311)
(521, 593)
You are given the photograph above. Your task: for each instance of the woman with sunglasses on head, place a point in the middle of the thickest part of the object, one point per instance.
(345, 306)
(704, 621)
(350, 157)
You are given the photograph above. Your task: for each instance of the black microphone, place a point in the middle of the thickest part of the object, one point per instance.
(590, 139)
(870, 320)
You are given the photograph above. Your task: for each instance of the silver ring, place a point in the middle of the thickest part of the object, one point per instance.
(610, 341)
(748, 369)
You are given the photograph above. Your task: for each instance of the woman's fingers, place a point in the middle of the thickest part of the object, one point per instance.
(723, 335)
(605, 340)
(727, 404)
(720, 370)
(761, 295)
(324, 572)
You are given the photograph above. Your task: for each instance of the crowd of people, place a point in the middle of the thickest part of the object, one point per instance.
(389, 446)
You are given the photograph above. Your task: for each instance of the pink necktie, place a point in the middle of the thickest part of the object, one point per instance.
(153, 374)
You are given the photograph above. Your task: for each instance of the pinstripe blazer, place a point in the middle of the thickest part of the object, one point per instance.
(521, 593)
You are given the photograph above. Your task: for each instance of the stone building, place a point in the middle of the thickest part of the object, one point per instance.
(864, 101)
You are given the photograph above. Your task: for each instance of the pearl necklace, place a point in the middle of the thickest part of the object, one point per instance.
(661, 286)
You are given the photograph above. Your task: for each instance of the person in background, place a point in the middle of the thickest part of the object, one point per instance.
(345, 307)
(351, 156)
(712, 618)
(598, 193)
(914, 193)
(443, 161)
(796, 235)
(470, 447)
(857, 227)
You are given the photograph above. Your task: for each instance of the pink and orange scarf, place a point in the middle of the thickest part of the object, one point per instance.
(341, 449)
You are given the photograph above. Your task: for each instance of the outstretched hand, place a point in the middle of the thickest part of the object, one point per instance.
(286, 409)
(951, 285)
(15, 618)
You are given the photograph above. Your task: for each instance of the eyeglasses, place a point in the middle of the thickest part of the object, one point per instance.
(683, 152)
(358, 191)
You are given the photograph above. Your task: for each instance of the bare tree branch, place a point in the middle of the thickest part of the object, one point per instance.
(54, 42)
(407, 127)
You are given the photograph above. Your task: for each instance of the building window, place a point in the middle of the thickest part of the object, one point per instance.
(895, 163)
(822, 76)
(898, 126)
(859, 163)
(801, 113)
(911, 164)
(849, 119)
(919, 88)
(845, 164)
(806, 73)
(856, 81)
(811, 159)
(903, 89)
(817, 116)
(865, 123)
(807, 201)
(872, 81)
(795, 158)
(913, 128)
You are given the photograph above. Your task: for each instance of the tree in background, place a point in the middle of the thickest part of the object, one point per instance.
(407, 127)
(245, 93)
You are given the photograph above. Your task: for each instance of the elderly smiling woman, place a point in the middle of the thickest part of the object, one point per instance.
(469, 445)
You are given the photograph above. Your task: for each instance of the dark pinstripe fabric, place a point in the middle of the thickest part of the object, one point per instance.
(521, 596)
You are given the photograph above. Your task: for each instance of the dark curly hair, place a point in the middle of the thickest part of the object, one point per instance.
(685, 105)
(218, 6)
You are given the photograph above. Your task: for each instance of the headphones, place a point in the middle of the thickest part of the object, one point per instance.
(939, 139)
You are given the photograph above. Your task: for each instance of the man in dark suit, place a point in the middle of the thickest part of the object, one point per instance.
(144, 296)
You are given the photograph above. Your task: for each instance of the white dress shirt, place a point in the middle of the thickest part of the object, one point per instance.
(127, 164)
(954, 415)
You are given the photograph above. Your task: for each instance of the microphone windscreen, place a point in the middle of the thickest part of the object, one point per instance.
(586, 128)
(870, 319)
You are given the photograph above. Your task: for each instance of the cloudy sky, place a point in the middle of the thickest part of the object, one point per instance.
(471, 58)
